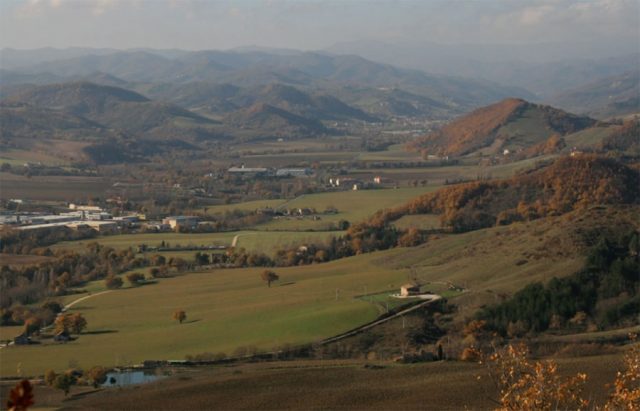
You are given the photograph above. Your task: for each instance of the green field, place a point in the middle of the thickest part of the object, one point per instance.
(232, 307)
(124, 241)
(420, 221)
(353, 206)
(245, 206)
(225, 308)
(396, 152)
(256, 241)
(17, 157)
(589, 137)
(437, 176)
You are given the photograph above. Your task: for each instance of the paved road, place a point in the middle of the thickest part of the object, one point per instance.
(375, 323)
(72, 303)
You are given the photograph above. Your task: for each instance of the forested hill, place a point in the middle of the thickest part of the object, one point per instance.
(512, 124)
(568, 184)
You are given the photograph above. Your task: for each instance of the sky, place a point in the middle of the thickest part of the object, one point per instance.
(312, 24)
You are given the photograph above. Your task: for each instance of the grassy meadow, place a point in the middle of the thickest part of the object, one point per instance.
(225, 309)
(256, 241)
(353, 206)
(419, 221)
(230, 308)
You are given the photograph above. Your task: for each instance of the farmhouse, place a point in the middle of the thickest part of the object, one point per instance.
(345, 182)
(409, 289)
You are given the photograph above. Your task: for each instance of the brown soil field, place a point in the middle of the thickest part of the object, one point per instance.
(51, 187)
(347, 385)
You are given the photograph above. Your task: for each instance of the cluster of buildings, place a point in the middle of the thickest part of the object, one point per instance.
(350, 183)
(79, 216)
(94, 218)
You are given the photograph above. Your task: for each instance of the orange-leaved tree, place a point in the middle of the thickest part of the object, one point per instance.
(526, 385)
(179, 315)
(626, 387)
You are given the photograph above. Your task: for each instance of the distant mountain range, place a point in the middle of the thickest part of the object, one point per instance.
(543, 69)
(112, 107)
(178, 98)
(274, 122)
(610, 96)
(512, 124)
(247, 69)
(20, 121)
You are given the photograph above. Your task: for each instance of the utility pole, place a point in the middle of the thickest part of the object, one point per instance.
(337, 293)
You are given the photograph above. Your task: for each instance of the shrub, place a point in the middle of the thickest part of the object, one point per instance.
(113, 282)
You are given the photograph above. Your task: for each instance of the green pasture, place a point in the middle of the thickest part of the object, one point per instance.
(225, 309)
(17, 157)
(124, 241)
(256, 241)
(245, 206)
(396, 152)
(419, 221)
(589, 137)
(228, 308)
(353, 206)
(436, 176)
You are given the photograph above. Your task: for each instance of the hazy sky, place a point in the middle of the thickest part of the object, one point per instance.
(310, 24)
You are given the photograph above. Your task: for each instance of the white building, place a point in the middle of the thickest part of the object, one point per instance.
(180, 221)
(293, 172)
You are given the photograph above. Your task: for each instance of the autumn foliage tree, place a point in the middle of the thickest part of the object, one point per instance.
(626, 387)
(74, 323)
(64, 382)
(269, 276)
(20, 397)
(50, 377)
(536, 385)
(526, 385)
(569, 183)
(97, 375)
(113, 282)
(180, 316)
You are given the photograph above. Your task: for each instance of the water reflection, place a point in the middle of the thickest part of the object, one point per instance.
(124, 378)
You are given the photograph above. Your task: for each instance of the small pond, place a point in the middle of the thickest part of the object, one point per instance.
(130, 377)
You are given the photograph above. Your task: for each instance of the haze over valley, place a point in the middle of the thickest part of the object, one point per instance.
(303, 205)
